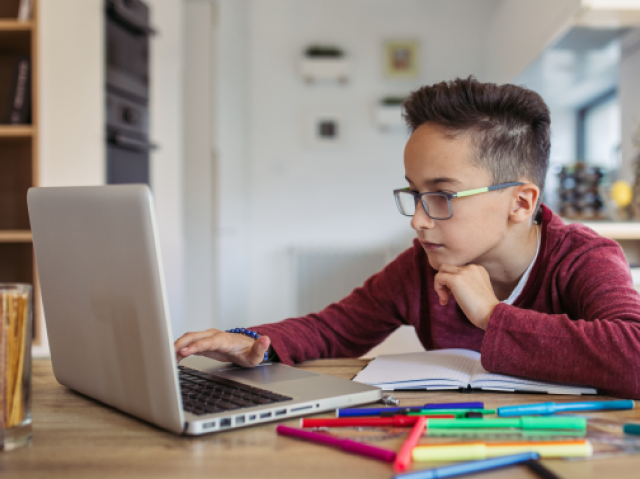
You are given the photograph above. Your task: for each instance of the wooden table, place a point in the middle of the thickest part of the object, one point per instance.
(76, 437)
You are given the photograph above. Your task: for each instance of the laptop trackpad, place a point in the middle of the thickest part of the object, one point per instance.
(264, 374)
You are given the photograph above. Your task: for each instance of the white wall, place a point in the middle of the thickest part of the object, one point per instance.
(291, 193)
(231, 145)
(199, 166)
(166, 62)
(71, 96)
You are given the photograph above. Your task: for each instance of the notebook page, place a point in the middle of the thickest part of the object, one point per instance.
(483, 379)
(423, 367)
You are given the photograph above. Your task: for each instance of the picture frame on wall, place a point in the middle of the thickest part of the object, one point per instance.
(401, 59)
(324, 128)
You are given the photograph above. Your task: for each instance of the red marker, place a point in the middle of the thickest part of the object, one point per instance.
(395, 421)
(403, 458)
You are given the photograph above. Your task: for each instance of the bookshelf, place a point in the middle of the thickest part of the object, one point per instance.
(19, 165)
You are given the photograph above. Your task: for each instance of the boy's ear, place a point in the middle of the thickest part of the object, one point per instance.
(524, 202)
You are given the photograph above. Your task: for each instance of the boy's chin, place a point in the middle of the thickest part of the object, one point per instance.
(436, 261)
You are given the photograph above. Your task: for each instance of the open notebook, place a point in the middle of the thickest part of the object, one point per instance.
(450, 369)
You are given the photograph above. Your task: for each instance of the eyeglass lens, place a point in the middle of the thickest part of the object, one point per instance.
(437, 205)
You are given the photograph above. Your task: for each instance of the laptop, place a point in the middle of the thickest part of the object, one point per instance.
(109, 330)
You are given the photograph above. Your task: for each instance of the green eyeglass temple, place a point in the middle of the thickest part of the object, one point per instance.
(450, 196)
(477, 191)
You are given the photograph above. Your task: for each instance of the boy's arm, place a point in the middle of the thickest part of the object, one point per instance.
(600, 347)
(357, 323)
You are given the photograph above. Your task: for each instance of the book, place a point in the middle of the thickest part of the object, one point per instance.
(15, 89)
(451, 369)
(24, 10)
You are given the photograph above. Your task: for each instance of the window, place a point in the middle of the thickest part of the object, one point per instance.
(599, 131)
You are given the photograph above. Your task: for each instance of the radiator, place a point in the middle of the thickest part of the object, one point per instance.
(325, 275)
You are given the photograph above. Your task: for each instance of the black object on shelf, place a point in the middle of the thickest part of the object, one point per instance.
(127, 85)
(15, 90)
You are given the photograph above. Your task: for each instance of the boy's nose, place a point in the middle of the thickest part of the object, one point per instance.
(421, 220)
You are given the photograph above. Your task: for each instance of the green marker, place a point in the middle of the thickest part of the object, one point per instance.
(525, 422)
(455, 412)
(504, 433)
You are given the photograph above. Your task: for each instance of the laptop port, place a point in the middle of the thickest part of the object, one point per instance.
(226, 422)
(281, 412)
(252, 417)
(302, 408)
(240, 420)
(209, 425)
(265, 414)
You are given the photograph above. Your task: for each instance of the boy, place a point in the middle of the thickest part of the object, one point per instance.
(493, 271)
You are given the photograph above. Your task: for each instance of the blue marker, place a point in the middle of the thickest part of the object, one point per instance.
(375, 411)
(455, 405)
(471, 467)
(550, 407)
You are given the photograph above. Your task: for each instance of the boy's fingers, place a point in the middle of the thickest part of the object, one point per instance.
(189, 338)
(442, 289)
(256, 354)
(208, 343)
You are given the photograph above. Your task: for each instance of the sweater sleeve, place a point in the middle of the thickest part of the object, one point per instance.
(355, 324)
(596, 343)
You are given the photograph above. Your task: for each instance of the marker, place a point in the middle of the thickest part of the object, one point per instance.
(508, 434)
(526, 422)
(479, 450)
(541, 471)
(403, 459)
(395, 421)
(551, 408)
(375, 411)
(631, 429)
(454, 405)
(455, 412)
(392, 411)
(333, 441)
(470, 467)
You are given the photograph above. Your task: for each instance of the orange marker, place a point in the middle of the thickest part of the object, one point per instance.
(403, 459)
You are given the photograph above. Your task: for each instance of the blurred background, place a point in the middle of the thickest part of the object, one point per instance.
(270, 131)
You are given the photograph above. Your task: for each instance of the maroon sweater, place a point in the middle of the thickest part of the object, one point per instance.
(576, 321)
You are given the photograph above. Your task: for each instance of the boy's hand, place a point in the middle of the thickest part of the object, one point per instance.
(228, 347)
(471, 288)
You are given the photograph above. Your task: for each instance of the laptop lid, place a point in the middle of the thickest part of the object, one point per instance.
(104, 298)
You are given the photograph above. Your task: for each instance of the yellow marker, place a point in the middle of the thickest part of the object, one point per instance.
(479, 450)
(621, 193)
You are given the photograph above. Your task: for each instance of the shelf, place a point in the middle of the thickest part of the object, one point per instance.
(331, 69)
(16, 131)
(611, 229)
(15, 26)
(15, 236)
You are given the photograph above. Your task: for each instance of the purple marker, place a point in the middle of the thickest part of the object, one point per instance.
(345, 444)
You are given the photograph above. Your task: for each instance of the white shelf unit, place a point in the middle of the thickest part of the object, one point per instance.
(324, 69)
(388, 117)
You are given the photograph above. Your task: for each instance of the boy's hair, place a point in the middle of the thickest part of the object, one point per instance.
(509, 125)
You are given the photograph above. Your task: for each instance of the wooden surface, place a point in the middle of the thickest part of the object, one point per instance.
(76, 437)
(9, 25)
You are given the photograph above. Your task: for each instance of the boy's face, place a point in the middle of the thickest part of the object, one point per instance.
(435, 162)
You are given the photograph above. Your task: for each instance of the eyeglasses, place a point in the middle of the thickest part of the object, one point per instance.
(437, 205)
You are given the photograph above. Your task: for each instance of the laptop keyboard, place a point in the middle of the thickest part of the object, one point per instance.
(204, 393)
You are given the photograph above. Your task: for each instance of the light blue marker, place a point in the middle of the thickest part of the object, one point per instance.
(550, 407)
(471, 467)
